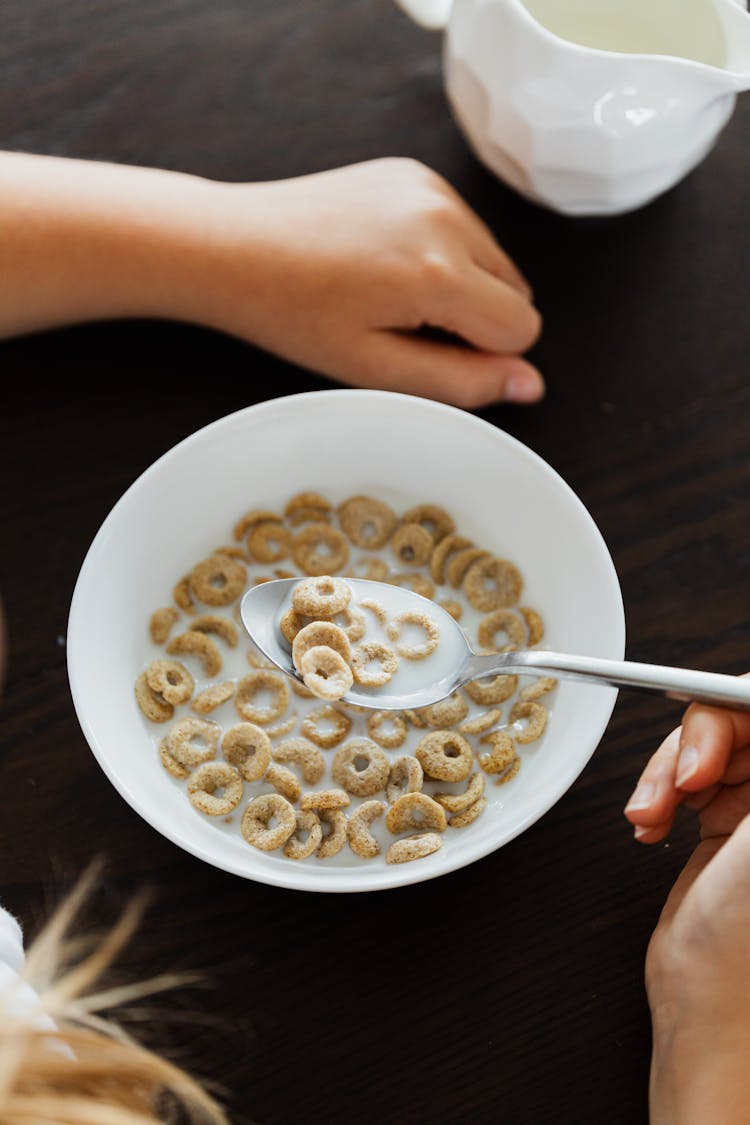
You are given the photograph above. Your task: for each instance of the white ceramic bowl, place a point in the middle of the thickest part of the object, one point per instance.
(406, 450)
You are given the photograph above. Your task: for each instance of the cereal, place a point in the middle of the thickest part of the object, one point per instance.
(315, 721)
(415, 719)
(161, 622)
(321, 597)
(257, 817)
(434, 519)
(257, 660)
(502, 754)
(320, 549)
(536, 716)
(255, 682)
(306, 837)
(304, 500)
(455, 609)
(413, 581)
(280, 730)
(308, 515)
(460, 562)
(412, 544)
(460, 802)
(373, 652)
(233, 552)
(534, 624)
(269, 542)
(440, 555)
(290, 624)
(301, 753)
(369, 523)
(212, 697)
(171, 680)
(334, 820)
(326, 673)
(284, 782)
(323, 633)
(376, 609)
(420, 620)
(447, 712)
(193, 741)
(415, 810)
(153, 706)
(413, 847)
(325, 799)
(299, 689)
(258, 515)
(170, 763)
(445, 755)
(406, 776)
(492, 583)
(370, 567)
(199, 645)
(206, 780)
(215, 623)
(182, 596)
(360, 767)
(218, 580)
(247, 747)
(510, 773)
(361, 840)
(481, 723)
(501, 620)
(352, 623)
(539, 688)
(464, 819)
(495, 689)
(388, 739)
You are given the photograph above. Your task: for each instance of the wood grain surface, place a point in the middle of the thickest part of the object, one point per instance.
(511, 990)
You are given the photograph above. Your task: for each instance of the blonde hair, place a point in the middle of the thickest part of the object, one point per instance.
(88, 1071)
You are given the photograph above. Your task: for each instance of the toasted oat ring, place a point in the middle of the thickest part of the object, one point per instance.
(151, 703)
(415, 719)
(233, 551)
(360, 767)
(352, 622)
(369, 523)
(389, 740)
(248, 748)
(197, 644)
(320, 549)
(481, 723)
(502, 754)
(170, 763)
(418, 583)
(464, 819)
(406, 776)
(161, 622)
(369, 566)
(505, 582)
(536, 690)
(447, 712)
(284, 782)
(193, 741)
(536, 716)
(171, 679)
(320, 633)
(325, 799)
(422, 621)
(311, 726)
(510, 773)
(257, 660)
(308, 515)
(494, 690)
(460, 802)
(412, 544)
(212, 697)
(218, 580)
(248, 688)
(378, 611)
(361, 840)
(455, 609)
(307, 500)
(303, 754)
(460, 562)
(206, 780)
(280, 730)
(334, 840)
(445, 755)
(258, 515)
(324, 596)
(439, 556)
(415, 810)
(269, 542)
(290, 624)
(182, 596)
(413, 847)
(256, 820)
(435, 519)
(373, 652)
(306, 821)
(501, 620)
(534, 624)
(299, 689)
(215, 623)
(326, 673)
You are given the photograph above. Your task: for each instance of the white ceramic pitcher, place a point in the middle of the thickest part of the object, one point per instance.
(591, 107)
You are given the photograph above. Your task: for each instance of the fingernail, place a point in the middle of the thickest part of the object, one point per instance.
(687, 765)
(524, 386)
(640, 831)
(642, 797)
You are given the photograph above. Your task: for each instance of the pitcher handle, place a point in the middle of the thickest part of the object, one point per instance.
(432, 14)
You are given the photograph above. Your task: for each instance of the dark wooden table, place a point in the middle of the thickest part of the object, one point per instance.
(511, 990)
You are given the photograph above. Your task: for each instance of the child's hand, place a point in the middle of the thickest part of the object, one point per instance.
(338, 271)
(698, 963)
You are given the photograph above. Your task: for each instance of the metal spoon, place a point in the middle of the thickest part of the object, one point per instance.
(263, 605)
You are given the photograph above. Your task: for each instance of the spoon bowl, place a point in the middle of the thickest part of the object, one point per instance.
(455, 663)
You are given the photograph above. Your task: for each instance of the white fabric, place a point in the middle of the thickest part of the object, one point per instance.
(16, 996)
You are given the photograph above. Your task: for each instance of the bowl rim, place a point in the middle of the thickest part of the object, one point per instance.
(298, 877)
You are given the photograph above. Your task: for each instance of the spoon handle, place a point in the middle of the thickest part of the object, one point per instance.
(676, 683)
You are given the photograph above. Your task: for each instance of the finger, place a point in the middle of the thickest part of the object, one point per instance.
(486, 312)
(459, 376)
(710, 735)
(655, 798)
(652, 834)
